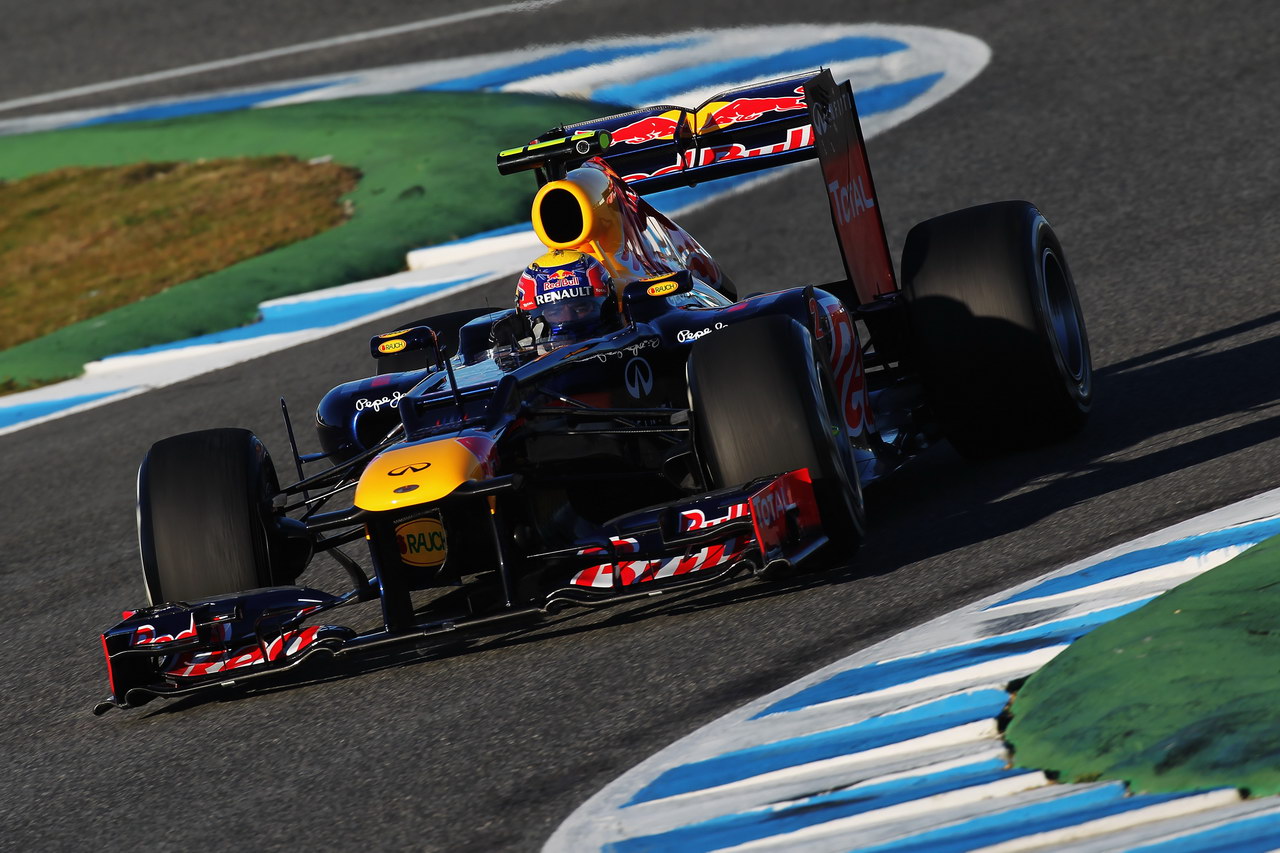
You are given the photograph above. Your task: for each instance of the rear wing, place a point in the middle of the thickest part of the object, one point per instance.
(665, 146)
(747, 129)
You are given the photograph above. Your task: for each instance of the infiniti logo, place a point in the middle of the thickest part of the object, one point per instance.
(405, 469)
(639, 377)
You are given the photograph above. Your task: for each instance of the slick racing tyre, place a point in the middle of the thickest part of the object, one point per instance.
(204, 505)
(998, 335)
(764, 403)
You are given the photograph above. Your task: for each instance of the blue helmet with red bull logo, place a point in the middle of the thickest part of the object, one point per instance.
(568, 296)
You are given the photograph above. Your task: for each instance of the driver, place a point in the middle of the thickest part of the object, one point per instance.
(568, 296)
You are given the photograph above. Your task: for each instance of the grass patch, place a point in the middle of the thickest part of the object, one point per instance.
(79, 241)
(427, 161)
(1178, 695)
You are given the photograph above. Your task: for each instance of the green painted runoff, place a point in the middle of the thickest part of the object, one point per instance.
(428, 176)
(1179, 695)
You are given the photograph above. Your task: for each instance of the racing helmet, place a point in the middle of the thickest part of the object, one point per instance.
(568, 296)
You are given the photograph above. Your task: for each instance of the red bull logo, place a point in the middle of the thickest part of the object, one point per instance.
(560, 278)
(796, 138)
(750, 109)
(647, 129)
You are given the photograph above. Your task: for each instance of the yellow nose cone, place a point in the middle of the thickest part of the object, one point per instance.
(420, 473)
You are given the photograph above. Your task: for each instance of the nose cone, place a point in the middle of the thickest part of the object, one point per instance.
(423, 472)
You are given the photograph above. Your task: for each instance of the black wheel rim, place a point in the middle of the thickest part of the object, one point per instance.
(1064, 318)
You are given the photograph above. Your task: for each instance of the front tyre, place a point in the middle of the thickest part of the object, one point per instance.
(204, 515)
(764, 403)
(999, 337)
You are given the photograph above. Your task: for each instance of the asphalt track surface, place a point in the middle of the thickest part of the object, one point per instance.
(1144, 130)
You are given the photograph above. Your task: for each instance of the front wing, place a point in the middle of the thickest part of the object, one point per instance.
(176, 649)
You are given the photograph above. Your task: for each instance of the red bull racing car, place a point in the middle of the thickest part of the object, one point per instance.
(629, 427)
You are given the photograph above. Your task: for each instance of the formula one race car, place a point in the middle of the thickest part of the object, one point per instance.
(630, 427)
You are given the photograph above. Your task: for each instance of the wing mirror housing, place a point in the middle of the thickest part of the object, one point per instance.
(642, 296)
(417, 339)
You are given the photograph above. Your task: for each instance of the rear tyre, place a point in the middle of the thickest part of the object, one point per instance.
(764, 403)
(998, 335)
(204, 509)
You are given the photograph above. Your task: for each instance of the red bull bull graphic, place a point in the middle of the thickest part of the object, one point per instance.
(560, 278)
(647, 129)
(719, 115)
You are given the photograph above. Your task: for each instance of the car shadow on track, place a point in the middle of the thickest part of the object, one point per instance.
(1156, 414)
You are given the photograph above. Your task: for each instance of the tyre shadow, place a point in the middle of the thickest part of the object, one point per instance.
(1156, 414)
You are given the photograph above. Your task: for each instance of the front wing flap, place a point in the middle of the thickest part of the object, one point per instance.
(179, 648)
(172, 649)
(770, 524)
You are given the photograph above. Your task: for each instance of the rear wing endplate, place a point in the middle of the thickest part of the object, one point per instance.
(855, 211)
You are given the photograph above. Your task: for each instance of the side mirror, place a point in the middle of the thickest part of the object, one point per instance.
(666, 284)
(641, 296)
(405, 349)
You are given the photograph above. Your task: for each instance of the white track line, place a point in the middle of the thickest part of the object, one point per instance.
(844, 829)
(967, 733)
(1160, 577)
(672, 813)
(1158, 813)
(607, 818)
(998, 672)
(276, 53)
(941, 819)
(1172, 828)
